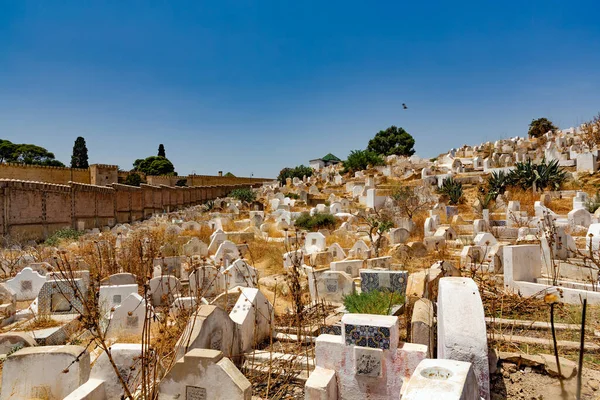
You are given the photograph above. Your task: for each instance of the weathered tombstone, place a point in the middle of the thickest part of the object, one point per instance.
(351, 267)
(205, 281)
(240, 273)
(60, 297)
(337, 252)
(27, 284)
(399, 235)
(332, 286)
(164, 289)
(364, 362)
(112, 296)
(360, 250)
(253, 315)
(580, 217)
(226, 253)
(127, 358)
(195, 247)
(13, 341)
(127, 319)
(123, 278)
(314, 242)
(379, 262)
(422, 324)
(210, 328)
(393, 281)
(521, 263)
(461, 329)
(47, 372)
(442, 379)
(203, 374)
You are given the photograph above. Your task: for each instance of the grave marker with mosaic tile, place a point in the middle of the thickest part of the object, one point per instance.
(393, 281)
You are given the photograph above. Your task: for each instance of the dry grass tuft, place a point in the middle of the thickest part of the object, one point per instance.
(267, 256)
(527, 198)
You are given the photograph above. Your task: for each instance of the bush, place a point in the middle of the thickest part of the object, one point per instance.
(133, 180)
(374, 302)
(315, 222)
(359, 160)
(392, 141)
(539, 127)
(246, 194)
(452, 189)
(154, 165)
(63, 234)
(297, 172)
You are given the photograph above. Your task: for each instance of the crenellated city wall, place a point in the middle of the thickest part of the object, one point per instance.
(35, 210)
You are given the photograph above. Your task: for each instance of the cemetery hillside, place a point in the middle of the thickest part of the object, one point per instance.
(383, 276)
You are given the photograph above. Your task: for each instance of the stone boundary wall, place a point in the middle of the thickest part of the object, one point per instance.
(202, 180)
(105, 175)
(40, 173)
(34, 210)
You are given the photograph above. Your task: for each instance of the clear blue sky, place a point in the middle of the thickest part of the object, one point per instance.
(251, 87)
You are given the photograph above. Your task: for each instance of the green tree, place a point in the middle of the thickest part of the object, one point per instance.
(243, 194)
(133, 179)
(79, 159)
(161, 151)
(181, 182)
(154, 165)
(34, 155)
(392, 141)
(539, 127)
(7, 149)
(359, 160)
(297, 172)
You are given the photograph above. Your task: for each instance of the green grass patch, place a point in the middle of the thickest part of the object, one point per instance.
(373, 302)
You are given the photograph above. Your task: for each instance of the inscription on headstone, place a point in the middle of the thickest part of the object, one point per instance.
(26, 286)
(195, 393)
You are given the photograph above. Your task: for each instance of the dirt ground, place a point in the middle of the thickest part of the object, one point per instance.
(527, 383)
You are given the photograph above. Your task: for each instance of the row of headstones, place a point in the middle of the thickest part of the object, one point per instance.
(366, 360)
(212, 330)
(64, 372)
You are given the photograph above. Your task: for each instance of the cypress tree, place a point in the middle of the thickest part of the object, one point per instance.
(79, 159)
(161, 151)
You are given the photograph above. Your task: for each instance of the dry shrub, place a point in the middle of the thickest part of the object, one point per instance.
(229, 226)
(418, 233)
(274, 232)
(562, 205)
(346, 241)
(526, 198)
(203, 234)
(266, 256)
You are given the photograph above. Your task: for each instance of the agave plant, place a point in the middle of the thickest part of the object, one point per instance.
(208, 206)
(538, 176)
(497, 183)
(452, 189)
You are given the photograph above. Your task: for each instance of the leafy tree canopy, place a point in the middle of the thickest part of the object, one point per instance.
(154, 165)
(133, 180)
(27, 154)
(296, 172)
(359, 160)
(79, 159)
(392, 141)
(539, 127)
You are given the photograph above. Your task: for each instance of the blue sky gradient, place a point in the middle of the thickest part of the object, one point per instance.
(251, 87)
